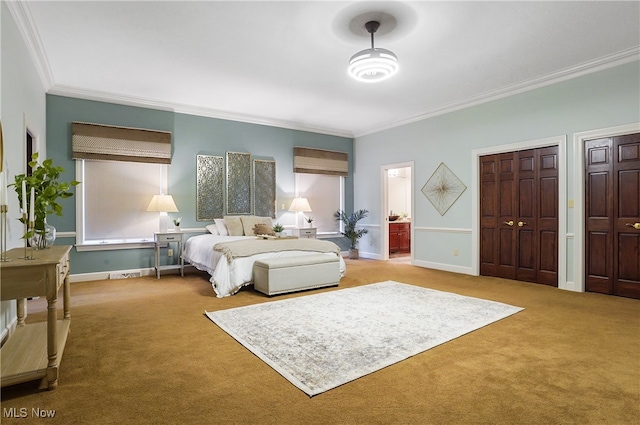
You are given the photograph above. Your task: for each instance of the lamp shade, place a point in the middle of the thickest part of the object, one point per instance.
(162, 203)
(300, 205)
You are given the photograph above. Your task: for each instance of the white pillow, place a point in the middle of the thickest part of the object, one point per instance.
(212, 228)
(234, 225)
(222, 228)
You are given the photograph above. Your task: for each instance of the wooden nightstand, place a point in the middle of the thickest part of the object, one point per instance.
(167, 238)
(307, 232)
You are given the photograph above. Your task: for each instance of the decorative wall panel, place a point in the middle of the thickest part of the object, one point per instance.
(239, 200)
(209, 187)
(264, 187)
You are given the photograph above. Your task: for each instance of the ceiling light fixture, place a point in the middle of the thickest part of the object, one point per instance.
(373, 65)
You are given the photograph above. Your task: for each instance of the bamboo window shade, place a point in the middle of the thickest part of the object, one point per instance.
(96, 141)
(319, 161)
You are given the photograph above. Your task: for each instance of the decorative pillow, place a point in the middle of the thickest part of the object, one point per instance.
(221, 226)
(212, 228)
(234, 225)
(249, 222)
(263, 229)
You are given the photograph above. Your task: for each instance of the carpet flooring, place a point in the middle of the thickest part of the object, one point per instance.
(141, 352)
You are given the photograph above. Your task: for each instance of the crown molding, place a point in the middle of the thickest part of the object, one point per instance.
(255, 119)
(100, 96)
(600, 64)
(24, 21)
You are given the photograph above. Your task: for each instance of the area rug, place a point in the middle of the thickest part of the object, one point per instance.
(321, 341)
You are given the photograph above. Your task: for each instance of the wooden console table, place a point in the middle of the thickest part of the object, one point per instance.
(34, 351)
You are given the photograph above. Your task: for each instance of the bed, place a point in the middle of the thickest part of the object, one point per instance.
(230, 273)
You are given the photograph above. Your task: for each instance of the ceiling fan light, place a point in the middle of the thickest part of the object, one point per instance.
(372, 65)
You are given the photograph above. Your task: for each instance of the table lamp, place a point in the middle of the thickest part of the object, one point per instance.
(163, 204)
(300, 205)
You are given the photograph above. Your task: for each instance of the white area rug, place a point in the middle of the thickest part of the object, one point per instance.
(321, 341)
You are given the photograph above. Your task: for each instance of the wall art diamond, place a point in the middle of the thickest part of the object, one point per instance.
(443, 188)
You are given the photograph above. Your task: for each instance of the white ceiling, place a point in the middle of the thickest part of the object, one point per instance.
(284, 63)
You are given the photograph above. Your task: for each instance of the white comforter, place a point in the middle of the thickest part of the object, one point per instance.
(227, 278)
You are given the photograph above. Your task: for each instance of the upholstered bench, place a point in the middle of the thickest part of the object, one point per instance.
(273, 276)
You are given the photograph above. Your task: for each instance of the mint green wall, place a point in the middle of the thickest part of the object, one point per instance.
(192, 135)
(604, 99)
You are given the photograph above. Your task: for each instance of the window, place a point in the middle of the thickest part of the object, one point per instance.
(120, 168)
(112, 203)
(326, 195)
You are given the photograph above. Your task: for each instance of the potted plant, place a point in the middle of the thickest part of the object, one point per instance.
(350, 231)
(48, 189)
(176, 223)
(309, 221)
(278, 229)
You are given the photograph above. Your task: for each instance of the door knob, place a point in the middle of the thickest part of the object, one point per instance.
(634, 225)
(522, 223)
(508, 223)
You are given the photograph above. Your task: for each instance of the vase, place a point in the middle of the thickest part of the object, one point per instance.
(354, 254)
(43, 239)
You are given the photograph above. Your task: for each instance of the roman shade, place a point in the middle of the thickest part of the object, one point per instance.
(96, 141)
(319, 161)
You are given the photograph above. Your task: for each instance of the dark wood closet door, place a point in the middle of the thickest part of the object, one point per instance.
(519, 215)
(547, 216)
(488, 215)
(612, 215)
(497, 234)
(526, 217)
(506, 246)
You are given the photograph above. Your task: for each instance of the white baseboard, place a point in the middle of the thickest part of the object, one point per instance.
(86, 277)
(444, 267)
(369, 255)
(6, 332)
(571, 286)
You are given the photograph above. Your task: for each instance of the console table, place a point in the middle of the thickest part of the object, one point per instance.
(34, 350)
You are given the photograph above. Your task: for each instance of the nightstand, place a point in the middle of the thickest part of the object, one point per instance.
(307, 232)
(167, 238)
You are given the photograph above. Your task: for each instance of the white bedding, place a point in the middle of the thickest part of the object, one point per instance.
(227, 278)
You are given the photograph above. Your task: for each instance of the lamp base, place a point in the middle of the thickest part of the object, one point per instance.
(164, 222)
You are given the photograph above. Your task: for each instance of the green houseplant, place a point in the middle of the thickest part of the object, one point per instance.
(278, 229)
(350, 221)
(48, 189)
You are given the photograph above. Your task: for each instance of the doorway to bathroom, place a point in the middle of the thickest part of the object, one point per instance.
(397, 212)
